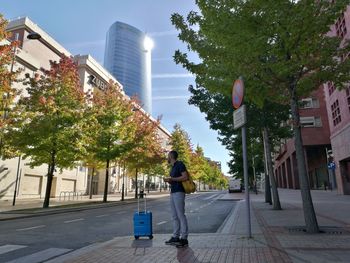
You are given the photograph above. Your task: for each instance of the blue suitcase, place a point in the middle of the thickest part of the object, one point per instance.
(142, 222)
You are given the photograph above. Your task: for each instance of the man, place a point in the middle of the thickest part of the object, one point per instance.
(178, 174)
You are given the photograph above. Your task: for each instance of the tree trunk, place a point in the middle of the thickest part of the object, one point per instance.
(136, 184)
(308, 207)
(50, 172)
(106, 183)
(160, 184)
(148, 183)
(276, 200)
(268, 197)
(91, 176)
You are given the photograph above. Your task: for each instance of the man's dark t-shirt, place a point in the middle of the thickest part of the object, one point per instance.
(176, 171)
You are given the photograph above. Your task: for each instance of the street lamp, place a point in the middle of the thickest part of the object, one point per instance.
(30, 36)
(34, 35)
(123, 182)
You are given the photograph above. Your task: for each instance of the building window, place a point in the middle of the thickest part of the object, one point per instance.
(336, 113)
(331, 87)
(340, 26)
(310, 122)
(348, 96)
(309, 103)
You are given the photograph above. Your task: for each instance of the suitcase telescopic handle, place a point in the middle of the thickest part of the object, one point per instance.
(138, 202)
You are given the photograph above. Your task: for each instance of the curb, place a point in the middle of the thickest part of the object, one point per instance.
(229, 220)
(66, 210)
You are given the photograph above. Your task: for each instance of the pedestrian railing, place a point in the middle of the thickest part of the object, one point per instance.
(71, 195)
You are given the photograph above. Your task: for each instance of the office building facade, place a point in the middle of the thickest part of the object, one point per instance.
(31, 57)
(129, 60)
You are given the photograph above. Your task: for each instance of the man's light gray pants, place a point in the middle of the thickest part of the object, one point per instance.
(177, 206)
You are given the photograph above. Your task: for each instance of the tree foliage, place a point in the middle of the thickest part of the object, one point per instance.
(47, 126)
(283, 49)
(111, 130)
(181, 142)
(146, 152)
(200, 167)
(7, 91)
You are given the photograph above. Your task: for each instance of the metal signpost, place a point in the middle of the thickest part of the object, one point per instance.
(239, 120)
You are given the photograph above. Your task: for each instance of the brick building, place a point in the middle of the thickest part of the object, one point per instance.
(325, 118)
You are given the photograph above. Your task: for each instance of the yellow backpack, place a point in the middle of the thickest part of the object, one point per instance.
(189, 185)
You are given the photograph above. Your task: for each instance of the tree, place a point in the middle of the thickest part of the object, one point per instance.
(7, 92)
(181, 142)
(146, 151)
(111, 129)
(159, 169)
(282, 49)
(198, 165)
(48, 126)
(93, 165)
(218, 110)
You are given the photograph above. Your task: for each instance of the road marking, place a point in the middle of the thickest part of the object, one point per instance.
(74, 220)
(103, 215)
(41, 256)
(7, 248)
(161, 223)
(210, 197)
(30, 228)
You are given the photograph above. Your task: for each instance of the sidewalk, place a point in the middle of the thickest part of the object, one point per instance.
(33, 207)
(277, 236)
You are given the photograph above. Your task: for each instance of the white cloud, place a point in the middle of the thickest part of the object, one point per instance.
(163, 33)
(170, 97)
(172, 75)
(163, 88)
(86, 43)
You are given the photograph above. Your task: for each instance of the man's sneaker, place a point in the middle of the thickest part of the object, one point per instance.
(173, 241)
(182, 243)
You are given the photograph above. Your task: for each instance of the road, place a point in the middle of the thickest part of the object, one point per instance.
(29, 239)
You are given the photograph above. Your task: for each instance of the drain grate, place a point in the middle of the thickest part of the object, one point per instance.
(323, 230)
(233, 200)
(299, 229)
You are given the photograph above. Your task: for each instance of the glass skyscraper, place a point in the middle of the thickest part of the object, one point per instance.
(129, 61)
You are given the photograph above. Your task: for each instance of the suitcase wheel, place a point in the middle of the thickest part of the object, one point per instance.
(151, 237)
(136, 237)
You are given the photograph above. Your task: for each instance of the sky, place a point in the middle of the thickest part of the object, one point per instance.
(81, 25)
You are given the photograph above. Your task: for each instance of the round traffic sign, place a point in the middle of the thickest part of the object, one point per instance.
(237, 93)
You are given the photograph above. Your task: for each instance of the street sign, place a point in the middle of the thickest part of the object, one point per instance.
(331, 166)
(237, 93)
(239, 117)
(239, 120)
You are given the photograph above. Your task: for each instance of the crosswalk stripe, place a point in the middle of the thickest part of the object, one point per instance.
(103, 215)
(41, 255)
(74, 220)
(210, 197)
(7, 248)
(30, 228)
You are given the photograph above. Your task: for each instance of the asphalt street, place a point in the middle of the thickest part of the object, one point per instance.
(61, 233)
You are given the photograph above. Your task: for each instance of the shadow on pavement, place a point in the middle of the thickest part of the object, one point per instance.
(186, 255)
